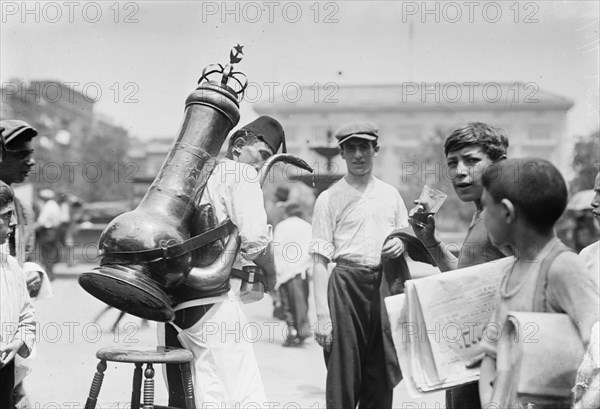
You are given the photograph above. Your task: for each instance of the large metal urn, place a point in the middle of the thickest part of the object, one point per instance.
(147, 251)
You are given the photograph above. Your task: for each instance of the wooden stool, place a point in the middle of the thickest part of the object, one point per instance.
(140, 356)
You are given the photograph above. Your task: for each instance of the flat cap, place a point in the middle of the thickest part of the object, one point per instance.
(360, 129)
(13, 128)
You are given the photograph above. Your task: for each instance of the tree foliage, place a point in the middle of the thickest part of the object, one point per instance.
(586, 161)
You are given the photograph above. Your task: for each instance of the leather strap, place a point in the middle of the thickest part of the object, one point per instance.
(169, 252)
(252, 275)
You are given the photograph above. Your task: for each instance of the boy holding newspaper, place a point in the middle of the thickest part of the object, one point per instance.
(522, 199)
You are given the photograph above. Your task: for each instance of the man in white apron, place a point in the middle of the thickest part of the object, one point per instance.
(212, 325)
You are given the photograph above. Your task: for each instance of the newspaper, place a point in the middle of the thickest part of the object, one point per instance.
(438, 323)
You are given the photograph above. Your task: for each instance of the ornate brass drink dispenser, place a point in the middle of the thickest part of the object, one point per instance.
(147, 251)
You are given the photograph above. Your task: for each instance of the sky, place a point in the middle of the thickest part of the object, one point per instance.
(139, 60)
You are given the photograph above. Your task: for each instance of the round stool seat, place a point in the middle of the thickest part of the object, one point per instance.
(142, 355)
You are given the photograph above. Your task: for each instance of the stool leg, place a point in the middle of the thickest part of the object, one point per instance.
(188, 385)
(149, 387)
(137, 386)
(96, 385)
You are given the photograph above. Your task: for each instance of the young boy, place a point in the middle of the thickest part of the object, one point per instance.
(469, 151)
(17, 328)
(522, 199)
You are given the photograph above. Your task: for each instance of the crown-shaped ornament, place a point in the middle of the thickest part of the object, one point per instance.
(234, 81)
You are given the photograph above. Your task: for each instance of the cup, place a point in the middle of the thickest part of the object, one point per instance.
(430, 202)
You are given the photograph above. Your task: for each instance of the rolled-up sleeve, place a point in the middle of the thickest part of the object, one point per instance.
(247, 211)
(322, 228)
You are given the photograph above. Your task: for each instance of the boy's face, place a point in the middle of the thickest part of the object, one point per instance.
(596, 201)
(255, 154)
(358, 154)
(465, 167)
(7, 221)
(17, 162)
(494, 220)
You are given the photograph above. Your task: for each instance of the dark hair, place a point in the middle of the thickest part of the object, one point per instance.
(492, 140)
(534, 186)
(249, 138)
(6, 194)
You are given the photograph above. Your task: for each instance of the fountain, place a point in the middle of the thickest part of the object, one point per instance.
(323, 177)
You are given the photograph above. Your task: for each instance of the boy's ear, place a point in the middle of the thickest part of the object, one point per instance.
(509, 211)
(342, 152)
(239, 142)
(376, 149)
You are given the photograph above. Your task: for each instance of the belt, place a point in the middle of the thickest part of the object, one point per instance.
(187, 317)
(349, 263)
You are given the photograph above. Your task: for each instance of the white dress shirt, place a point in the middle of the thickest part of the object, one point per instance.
(352, 225)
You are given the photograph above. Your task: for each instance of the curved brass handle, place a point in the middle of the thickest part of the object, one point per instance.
(204, 278)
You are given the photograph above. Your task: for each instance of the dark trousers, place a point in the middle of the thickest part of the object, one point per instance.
(7, 383)
(294, 304)
(356, 370)
(184, 319)
(463, 397)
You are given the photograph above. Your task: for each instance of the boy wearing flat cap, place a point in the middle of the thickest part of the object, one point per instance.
(16, 164)
(351, 224)
(224, 368)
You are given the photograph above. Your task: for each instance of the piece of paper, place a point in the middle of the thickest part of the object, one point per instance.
(438, 324)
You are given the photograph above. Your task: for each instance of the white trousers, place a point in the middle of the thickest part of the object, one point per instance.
(224, 368)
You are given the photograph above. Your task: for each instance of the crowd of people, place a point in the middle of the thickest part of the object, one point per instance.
(359, 226)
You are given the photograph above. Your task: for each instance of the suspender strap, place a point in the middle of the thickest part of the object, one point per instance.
(539, 297)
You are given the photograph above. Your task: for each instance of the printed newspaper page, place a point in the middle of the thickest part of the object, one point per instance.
(443, 324)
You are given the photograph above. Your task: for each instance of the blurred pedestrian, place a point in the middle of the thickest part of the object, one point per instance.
(291, 239)
(47, 231)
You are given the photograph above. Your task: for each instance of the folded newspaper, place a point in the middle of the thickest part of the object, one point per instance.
(528, 340)
(438, 323)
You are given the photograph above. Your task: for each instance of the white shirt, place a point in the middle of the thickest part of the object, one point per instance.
(591, 258)
(352, 225)
(16, 310)
(291, 240)
(50, 215)
(234, 191)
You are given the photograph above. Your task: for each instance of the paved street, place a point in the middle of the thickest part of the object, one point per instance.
(69, 337)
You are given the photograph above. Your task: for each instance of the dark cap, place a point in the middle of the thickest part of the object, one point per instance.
(269, 131)
(282, 193)
(12, 128)
(361, 129)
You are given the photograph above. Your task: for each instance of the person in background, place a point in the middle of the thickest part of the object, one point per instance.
(291, 239)
(47, 231)
(16, 164)
(587, 387)
(17, 326)
(469, 151)
(275, 214)
(522, 200)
